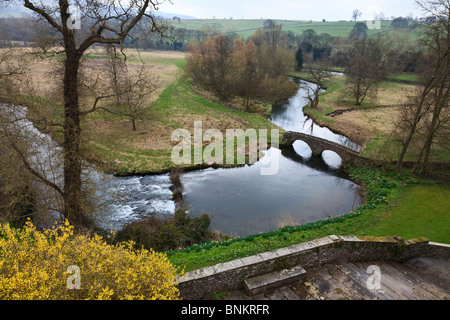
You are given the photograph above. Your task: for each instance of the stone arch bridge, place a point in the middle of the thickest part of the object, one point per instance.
(319, 145)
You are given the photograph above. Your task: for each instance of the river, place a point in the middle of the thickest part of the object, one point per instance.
(240, 201)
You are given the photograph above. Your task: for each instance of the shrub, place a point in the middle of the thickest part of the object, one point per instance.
(34, 264)
(164, 234)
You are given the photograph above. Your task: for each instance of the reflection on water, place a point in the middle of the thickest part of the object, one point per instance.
(291, 117)
(244, 202)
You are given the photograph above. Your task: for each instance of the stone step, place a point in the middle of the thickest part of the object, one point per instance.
(262, 284)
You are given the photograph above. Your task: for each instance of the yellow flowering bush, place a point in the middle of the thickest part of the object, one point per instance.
(34, 265)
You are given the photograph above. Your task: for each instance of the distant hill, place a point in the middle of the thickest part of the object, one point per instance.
(167, 15)
(246, 27)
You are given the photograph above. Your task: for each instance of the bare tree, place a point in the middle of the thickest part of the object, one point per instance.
(366, 67)
(275, 56)
(107, 22)
(274, 35)
(30, 169)
(319, 75)
(210, 64)
(243, 70)
(248, 80)
(432, 99)
(132, 88)
(44, 37)
(356, 14)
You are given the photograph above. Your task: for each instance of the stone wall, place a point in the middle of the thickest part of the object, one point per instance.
(319, 145)
(230, 276)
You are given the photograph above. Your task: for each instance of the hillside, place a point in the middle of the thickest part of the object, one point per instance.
(246, 28)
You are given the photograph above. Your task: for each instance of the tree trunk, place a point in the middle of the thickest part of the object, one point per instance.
(414, 123)
(358, 93)
(127, 19)
(408, 141)
(440, 102)
(73, 202)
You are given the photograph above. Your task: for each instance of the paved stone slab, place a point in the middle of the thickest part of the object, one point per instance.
(288, 294)
(322, 285)
(324, 273)
(260, 284)
(228, 266)
(269, 255)
(248, 261)
(277, 295)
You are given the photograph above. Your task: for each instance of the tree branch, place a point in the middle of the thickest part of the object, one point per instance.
(96, 37)
(30, 168)
(44, 14)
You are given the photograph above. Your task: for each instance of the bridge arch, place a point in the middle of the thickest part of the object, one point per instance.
(302, 149)
(319, 146)
(332, 159)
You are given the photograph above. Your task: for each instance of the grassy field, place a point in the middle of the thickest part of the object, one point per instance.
(419, 210)
(365, 123)
(109, 141)
(245, 28)
(179, 105)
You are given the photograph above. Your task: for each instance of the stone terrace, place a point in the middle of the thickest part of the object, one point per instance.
(416, 279)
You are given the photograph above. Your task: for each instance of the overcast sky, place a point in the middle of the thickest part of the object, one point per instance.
(331, 10)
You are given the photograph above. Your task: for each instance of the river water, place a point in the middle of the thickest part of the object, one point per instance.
(240, 201)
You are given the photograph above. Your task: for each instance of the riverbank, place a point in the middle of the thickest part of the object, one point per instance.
(109, 141)
(391, 209)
